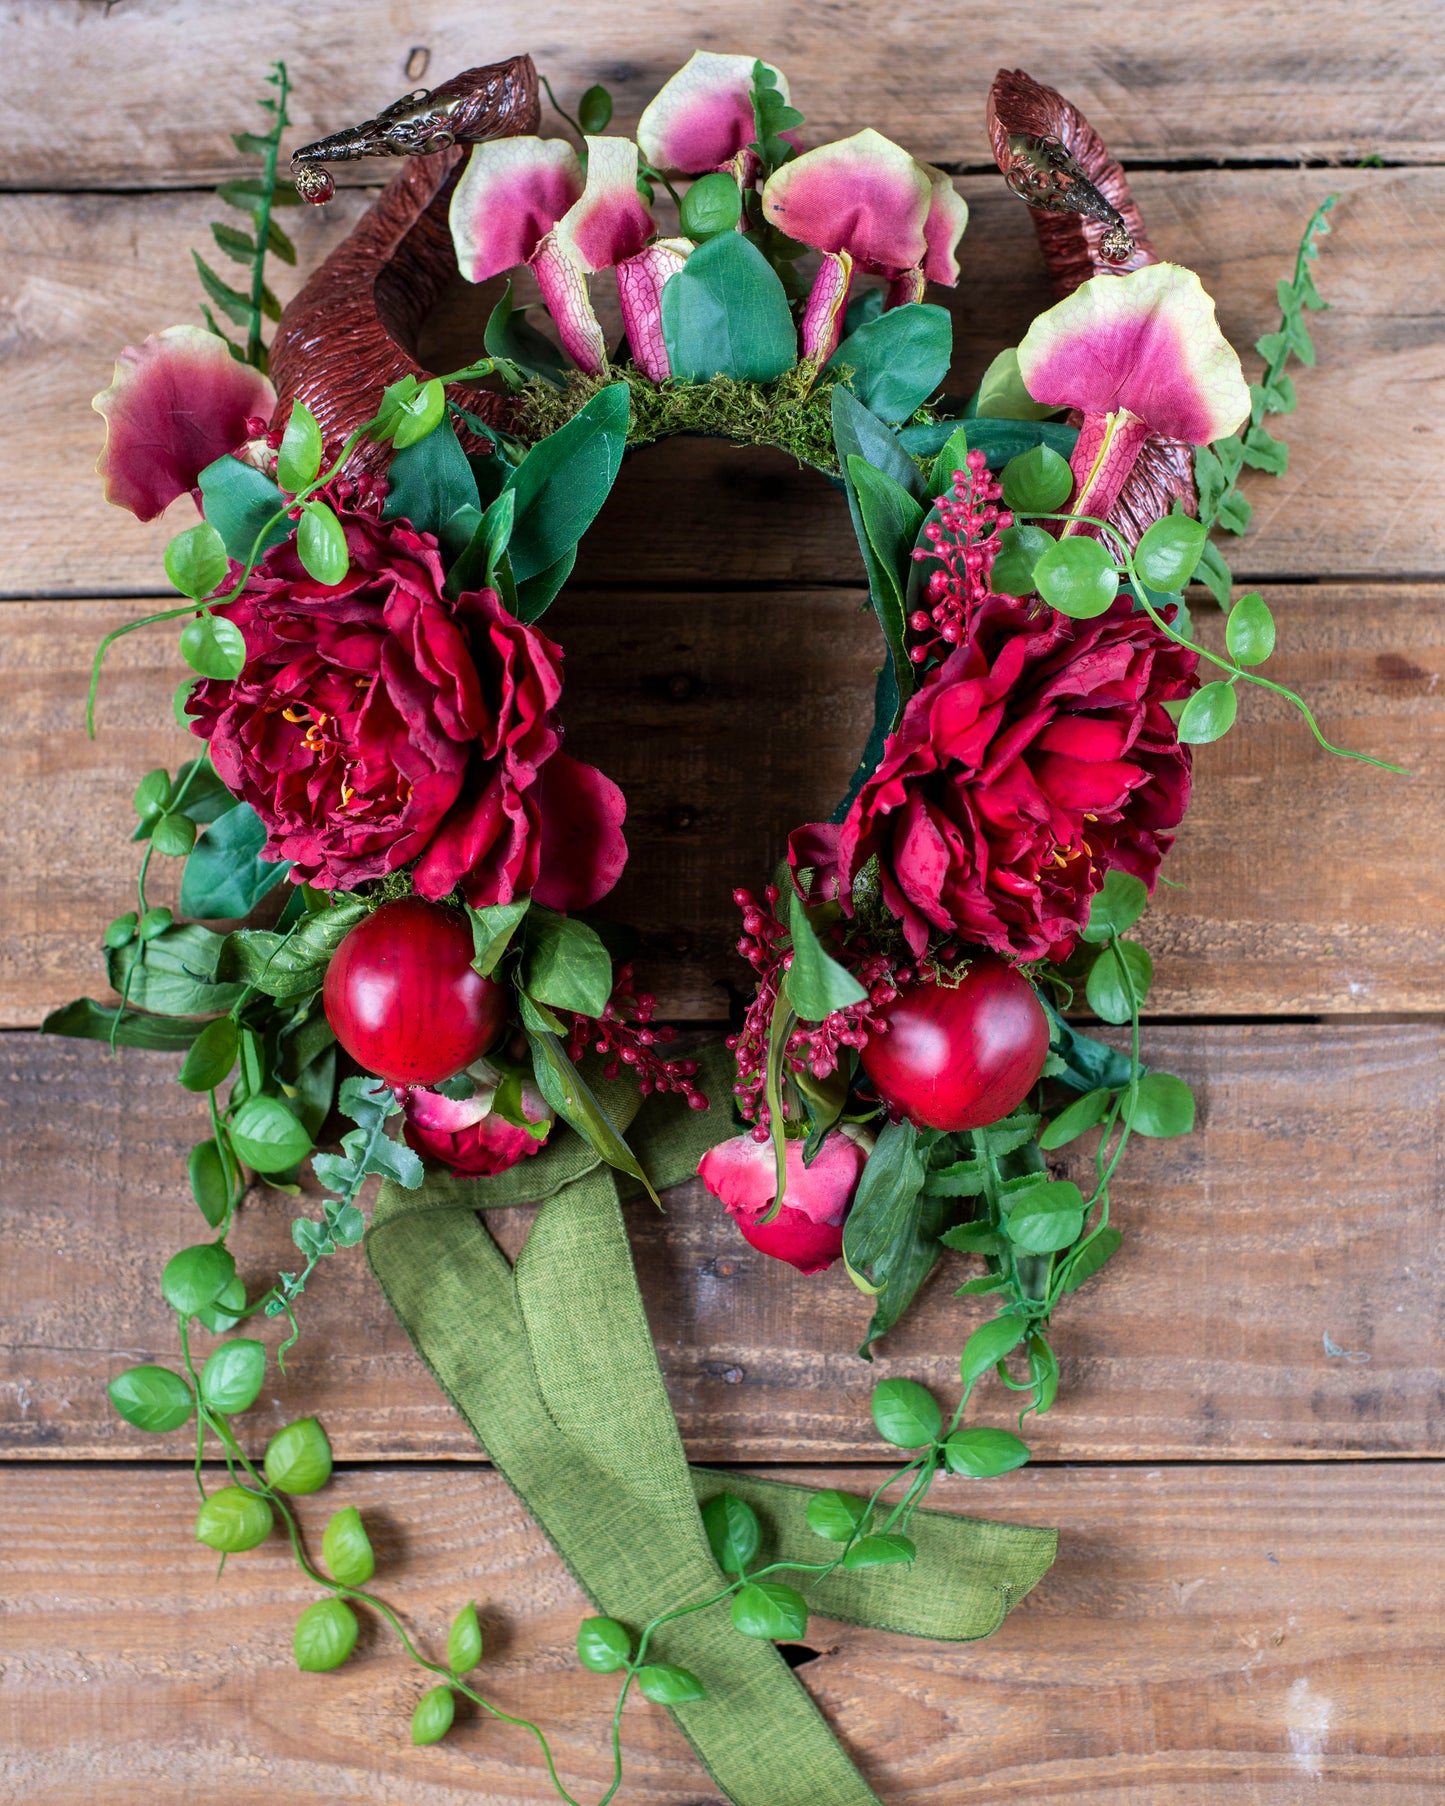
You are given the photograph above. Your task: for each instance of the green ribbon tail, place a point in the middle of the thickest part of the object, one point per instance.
(552, 1366)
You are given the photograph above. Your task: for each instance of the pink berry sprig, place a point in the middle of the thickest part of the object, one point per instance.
(624, 1035)
(964, 541)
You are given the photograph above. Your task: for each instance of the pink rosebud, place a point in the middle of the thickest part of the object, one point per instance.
(808, 1231)
(469, 1135)
(177, 403)
(702, 118)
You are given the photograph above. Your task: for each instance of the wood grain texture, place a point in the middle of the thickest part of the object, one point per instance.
(1332, 907)
(165, 83)
(1302, 1215)
(1363, 495)
(1208, 1637)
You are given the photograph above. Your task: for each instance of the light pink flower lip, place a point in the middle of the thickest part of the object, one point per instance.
(702, 117)
(511, 194)
(610, 221)
(176, 404)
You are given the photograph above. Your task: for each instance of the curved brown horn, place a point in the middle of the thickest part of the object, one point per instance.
(351, 329)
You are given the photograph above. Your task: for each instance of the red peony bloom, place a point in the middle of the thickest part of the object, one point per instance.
(1033, 760)
(467, 1134)
(808, 1230)
(377, 723)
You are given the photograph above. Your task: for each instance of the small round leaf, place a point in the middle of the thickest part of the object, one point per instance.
(121, 932)
(174, 835)
(1085, 1113)
(1249, 631)
(197, 1276)
(211, 1055)
(980, 1454)
(298, 1458)
(321, 543)
(225, 1312)
(603, 1645)
(836, 1516)
(988, 1345)
(1208, 715)
(299, 459)
(325, 1636)
(1046, 1217)
(1019, 550)
(464, 1641)
(418, 414)
(1106, 990)
(233, 1520)
(768, 1609)
(267, 1136)
(667, 1685)
(151, 794)
(209, 1187)
(1164, 1105)
(733, 1532)
(232, 1377)
(346, 1548)
(152, 1399)
(1038, 481)
(1077, 577)
(432, 1718)
(879, 1551)
(1168, 554)
(154, 922)
(214, 646)
(196, 561)
(594, 110)
(1117, 907)
(712, 205)
(906, 1414)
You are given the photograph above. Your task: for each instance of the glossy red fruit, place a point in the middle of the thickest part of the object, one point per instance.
(402, 997)
(960, 1056)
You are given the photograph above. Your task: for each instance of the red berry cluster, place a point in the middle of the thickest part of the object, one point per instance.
(812, 1046)
(624, 1035)
(362, 492)
(964, 540)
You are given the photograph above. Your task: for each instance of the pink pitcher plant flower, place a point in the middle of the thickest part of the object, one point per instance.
(865, 203)
(1138, 354)
(177, 403)
(701, 119)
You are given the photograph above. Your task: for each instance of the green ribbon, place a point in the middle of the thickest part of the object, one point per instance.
(552, 1365)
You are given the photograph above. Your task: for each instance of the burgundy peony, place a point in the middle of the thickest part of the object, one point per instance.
(467, 1134)
(378, 722)
(808, 1230)
(1033, 760)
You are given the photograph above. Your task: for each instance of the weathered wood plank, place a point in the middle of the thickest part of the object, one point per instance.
(1302, 1216)
(1208, 1636)
(164, 86)
(1327, 908)
(88, 274)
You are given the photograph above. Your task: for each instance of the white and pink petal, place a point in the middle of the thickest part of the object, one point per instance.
(702, 117)
(864, 195)
(947, 219)
(610, 221)
(511, 194)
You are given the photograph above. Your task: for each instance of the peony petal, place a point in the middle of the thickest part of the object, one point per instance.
(864, 195)
(611, 221)
(640, 282)
(1147, 342)
(703, 117)
(947, 217)
(582, 850)
(510, 196)
(176, 404)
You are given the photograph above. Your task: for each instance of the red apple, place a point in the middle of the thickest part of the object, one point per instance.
(960, 1056)
(402, 998)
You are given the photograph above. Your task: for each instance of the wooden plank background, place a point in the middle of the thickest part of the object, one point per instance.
(1247, 1603)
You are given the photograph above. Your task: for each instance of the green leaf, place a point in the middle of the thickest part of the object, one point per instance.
(321, 544)
(770, 1610)
(1168, 554)
(906, 1414)
(603, 1645)
(174, 836)
(836, 1516)
(298, 1457)
(290, 965)
(492, 931)
(225, 1312)
(960, 1179)
(952, 459)
(1077, 577)
(667, 1685)
(432, 1716)
(346, 1550)
(1117, 907)
(1163, 1106)
(565, 963)
(239, 501)
(231, 302)
(712, 205)
(594, 110)
(1249, 631)
(233, 1520)
(197, 1276)
(733, 1532)
(196, 561)
(890, 521)
(1106, 988)
(561, 484)
(226, 876)
(298, 463)
(574, 1101)
(537, 594)
(1038, 481)
(1262, 452)
(430, 481)
(974, 1238)
(1101, 1246)
(886, 1201)
(214, 646)
(478, 565)
(886, 1549)
(1208, 715)
(419, 414)
(987, 1346)
(268, 1136)
(325, 1636)
(239, 246)
(1002, 395)
(898, 360)
(152, 1399)
(86, 1020)
(210, 1186)
(998, 440)
(173, 974)
(1019, 551)
(231, 1379)
(1085, 1113)
(1214, 573)
(509, 335)
(980, 1454)
(726, 313)
(817, 984)
(1046, 1217)
(464, 1641)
